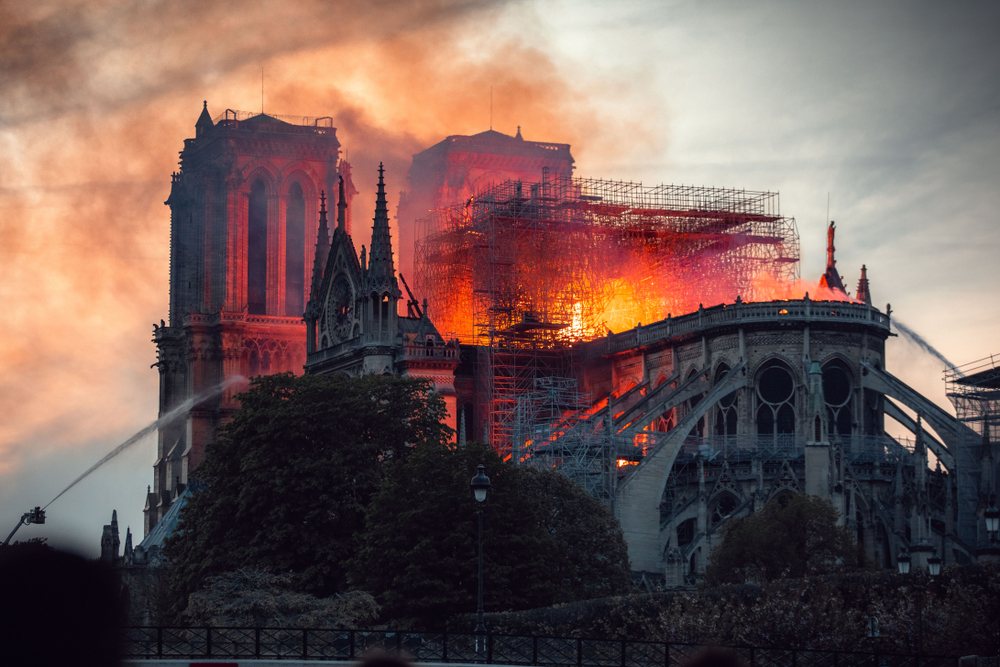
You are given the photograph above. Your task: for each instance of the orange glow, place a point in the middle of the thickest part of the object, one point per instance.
(625, 462)
(769, 288)
(586, 266)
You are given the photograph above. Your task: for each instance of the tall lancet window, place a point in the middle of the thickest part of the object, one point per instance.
(257, 249)
(295, 252)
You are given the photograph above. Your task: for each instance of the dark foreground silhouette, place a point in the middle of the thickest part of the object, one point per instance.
(58, 609)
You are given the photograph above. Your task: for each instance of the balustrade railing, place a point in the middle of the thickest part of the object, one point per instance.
(430, 352)
(158, 643)
(872, 449)
(744, 313)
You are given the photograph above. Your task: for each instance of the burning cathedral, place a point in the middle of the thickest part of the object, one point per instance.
(653, 343)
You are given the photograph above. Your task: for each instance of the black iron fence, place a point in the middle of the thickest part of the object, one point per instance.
(320, 644)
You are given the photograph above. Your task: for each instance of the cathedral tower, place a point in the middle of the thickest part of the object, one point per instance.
(244, 208)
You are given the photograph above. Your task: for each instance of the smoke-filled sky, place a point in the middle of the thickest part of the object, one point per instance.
(891, 108)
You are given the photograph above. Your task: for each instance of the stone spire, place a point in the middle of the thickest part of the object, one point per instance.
(322, 251)
(204, 122)
(342, 208)
(831, 279)
(127, 553)
(109, 540)
(864, 293)
(381, 274)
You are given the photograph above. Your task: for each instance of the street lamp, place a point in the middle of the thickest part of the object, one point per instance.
(992, 517)
(903, 563)
(480, 488)
(934, 569)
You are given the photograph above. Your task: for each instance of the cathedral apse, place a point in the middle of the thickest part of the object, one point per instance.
(656, 344)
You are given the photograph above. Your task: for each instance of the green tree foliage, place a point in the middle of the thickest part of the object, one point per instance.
(959, 611)
(249, 598)
(418, 555)
(591, 558)
(287, 482)
(793, 538)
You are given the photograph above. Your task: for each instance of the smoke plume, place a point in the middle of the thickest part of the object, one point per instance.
(96, 99)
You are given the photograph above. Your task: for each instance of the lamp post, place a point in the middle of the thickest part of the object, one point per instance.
(480, 488)
(992, 517)
(903, 563)
(933, 569)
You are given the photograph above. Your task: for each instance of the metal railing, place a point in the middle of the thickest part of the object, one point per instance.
(150, 643)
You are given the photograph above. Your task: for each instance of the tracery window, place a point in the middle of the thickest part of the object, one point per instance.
(726, 409)
(776, 401)
(699, 429)
(837, 391)
(722, 508)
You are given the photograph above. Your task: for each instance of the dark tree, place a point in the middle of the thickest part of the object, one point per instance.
(591, 558)
(286, 484)
(793, 537)
(545, 539)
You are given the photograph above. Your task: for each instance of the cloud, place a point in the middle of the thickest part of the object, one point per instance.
(95, 101)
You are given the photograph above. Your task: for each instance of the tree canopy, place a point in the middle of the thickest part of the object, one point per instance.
(286, 484)
(545, 539)
(792, 537)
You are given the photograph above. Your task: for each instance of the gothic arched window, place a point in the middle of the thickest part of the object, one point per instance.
(838, 392)
(699, 429)
(685, 532)
(725, 414)
(722, 508)
(776, 402)
(295, 251)
(257, 249)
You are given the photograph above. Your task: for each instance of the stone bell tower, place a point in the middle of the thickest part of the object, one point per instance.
(244, 209)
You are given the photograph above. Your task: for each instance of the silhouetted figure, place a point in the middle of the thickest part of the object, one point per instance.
(716, 657)
(58, 609)
(383, 659)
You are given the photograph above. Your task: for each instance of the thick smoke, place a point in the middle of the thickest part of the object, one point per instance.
(95, 101)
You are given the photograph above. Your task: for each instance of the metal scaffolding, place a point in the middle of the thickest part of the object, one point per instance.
(554, 428)
(974, 390)
(540, 266)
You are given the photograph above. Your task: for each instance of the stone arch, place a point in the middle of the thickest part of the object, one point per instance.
(666, 421)
(775, 385)
(721, 507)
(727, 410)
(839, 391)
(685, 532)
(298, 235)
(692, 403)
(258, 233)
(782, 495)
(637, 504)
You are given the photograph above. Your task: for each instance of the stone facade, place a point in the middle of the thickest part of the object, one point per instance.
(763, 399)
(455, 169)
(353, 324)
(244, 208)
